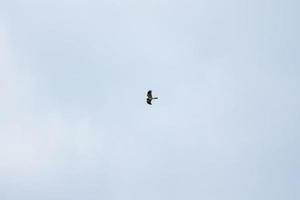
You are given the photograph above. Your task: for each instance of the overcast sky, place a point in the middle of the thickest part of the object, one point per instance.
(74, 123)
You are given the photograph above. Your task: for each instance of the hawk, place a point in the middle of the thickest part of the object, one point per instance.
(149, 97)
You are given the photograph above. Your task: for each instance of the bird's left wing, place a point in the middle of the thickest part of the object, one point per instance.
(149, 94)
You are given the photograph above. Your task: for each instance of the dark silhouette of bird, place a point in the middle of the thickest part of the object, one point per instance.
(150, 98)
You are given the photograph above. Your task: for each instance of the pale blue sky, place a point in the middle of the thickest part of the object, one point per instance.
(74, 123)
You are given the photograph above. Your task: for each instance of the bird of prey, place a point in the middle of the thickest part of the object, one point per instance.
(150, 98)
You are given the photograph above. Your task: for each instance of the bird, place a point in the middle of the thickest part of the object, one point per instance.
(149, 97)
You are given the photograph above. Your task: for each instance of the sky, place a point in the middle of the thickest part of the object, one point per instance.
(74, 123)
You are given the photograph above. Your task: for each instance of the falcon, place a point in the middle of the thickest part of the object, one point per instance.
(150, 98)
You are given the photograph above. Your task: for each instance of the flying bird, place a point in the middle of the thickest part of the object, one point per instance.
(150, 98)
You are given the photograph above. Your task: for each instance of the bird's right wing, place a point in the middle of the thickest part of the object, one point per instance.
(149, 101)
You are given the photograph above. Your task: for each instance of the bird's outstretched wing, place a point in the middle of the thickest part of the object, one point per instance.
(149, 94)
(149, 101)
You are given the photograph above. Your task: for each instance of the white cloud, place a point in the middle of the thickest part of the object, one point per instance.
(73, 78)
(33, 141)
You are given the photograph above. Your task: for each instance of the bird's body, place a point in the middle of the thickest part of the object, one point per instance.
(150, 98)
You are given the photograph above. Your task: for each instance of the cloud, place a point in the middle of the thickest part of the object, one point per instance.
(36, 136)
(74, 123)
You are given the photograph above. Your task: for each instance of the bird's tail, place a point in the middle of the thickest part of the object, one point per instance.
(155, 98)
